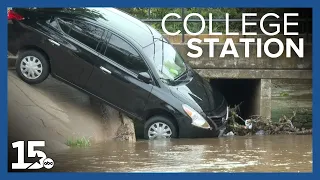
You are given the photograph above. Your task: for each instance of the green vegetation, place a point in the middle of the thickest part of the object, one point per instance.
(79, 142)
(284, 94)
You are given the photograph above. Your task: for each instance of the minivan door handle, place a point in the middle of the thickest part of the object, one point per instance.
(54, 42)
(105, 70)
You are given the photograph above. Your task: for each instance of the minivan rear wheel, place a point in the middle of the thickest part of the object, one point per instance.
(32, 67)
(159, 127)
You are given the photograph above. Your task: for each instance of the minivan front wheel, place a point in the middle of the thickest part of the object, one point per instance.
(159, 127)
(32, 67)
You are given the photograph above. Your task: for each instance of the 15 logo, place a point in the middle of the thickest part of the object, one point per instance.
(40, 157)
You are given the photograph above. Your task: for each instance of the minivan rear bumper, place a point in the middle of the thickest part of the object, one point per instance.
(14, 41)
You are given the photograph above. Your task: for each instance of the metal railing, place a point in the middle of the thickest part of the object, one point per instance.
(304, 23)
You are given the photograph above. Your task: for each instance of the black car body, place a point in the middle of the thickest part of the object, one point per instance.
(122, 61)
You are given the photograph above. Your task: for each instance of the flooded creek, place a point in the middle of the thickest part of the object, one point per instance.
(285, 153)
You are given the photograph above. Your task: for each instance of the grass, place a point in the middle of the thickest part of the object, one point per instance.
(284, 94)
(79, 142)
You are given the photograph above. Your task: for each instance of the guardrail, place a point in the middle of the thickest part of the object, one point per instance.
(304, 23)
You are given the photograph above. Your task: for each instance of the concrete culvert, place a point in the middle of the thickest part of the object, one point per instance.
(245, 92)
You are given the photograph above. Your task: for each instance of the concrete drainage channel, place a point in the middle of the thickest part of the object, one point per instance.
(248, 88)
(231, 88)
(254, 95)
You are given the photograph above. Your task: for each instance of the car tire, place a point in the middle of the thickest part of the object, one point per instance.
(166, 125)
(32, 67)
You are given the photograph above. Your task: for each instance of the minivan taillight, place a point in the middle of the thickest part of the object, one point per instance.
(14, 16)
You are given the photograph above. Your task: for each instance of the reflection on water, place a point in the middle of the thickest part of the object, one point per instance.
(233, 154)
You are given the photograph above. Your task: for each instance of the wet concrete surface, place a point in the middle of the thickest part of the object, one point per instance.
(50, 111)
(285, 153)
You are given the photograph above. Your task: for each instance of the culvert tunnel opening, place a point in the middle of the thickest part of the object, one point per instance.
(243, 92)
(236, 91)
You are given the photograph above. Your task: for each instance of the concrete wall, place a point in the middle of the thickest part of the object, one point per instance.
(290, 95)
(249, 68)
(276, 76)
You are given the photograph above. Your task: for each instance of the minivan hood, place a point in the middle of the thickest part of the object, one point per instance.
(199, 94)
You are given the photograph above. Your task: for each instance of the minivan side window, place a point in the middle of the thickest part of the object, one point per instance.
(88, 34)
(65, 25)
(124, 54)
(62, 25)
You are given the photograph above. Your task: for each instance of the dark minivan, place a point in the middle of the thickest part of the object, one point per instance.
(122, 61)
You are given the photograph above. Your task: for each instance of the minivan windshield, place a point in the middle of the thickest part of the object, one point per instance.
(169, 64)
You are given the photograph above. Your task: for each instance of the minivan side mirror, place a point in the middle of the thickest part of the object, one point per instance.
(145, 77)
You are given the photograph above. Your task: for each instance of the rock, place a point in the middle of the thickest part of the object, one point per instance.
(221, 132)
(305, 132)
(126, 130)
(116, 125)
(230, 134)
(260, 132)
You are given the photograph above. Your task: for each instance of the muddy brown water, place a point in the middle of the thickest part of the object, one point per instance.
(285, 153)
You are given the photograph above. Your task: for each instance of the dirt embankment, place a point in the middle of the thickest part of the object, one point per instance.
(55, 112)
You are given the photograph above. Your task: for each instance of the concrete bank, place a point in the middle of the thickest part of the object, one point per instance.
(54, 112)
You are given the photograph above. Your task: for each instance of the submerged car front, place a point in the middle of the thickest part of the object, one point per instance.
(204, 107)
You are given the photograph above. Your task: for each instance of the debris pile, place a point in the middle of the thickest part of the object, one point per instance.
(257, 125)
